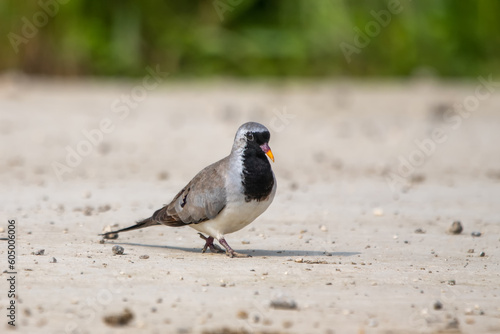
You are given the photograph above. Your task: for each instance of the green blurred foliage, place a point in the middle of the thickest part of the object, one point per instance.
(247, 38)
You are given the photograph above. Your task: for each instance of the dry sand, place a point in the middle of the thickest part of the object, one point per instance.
(338, 243)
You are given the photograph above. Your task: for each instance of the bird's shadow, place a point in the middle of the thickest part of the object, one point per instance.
(253, 252)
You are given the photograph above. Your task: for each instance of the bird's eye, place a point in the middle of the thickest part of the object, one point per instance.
(250, 136)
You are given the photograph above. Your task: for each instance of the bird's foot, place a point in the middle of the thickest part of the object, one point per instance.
(209, 243)
(236, 254)
(229, 251)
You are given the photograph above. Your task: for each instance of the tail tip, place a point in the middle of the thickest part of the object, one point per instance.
(109, 235)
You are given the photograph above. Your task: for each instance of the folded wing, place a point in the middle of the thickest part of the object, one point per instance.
(201, 199)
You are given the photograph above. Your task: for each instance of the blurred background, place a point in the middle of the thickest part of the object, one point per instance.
(251, 38)
(385, 129)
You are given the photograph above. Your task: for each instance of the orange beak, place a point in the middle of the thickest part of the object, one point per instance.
(267, 151)
(270, 155)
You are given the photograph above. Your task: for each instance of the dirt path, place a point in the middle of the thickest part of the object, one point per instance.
(341, 249)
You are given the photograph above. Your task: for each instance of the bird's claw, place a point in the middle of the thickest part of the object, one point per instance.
(236, 254)
(209, 243)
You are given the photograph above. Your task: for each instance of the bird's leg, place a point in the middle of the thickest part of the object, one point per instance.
(209, 243)
(229, 251)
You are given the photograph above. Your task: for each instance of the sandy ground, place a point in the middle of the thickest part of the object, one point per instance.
(339, 242)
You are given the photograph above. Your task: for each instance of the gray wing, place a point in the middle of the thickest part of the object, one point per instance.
(201, 199)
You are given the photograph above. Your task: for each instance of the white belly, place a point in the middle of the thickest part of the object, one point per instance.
(235, 216)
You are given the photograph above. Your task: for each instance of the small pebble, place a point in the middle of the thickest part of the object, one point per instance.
(456, 227)
(54, 260)
(118, 250)
(117, 320)
(420, 231)
(2, 230)
(476, 234)
(284, 304)
(470, 251)
(453, 324)
(104, 208)
(323, 228)
(40, 252)
(87, 211)
(438, 305)
(299, 260)
(163, 175)
(242, 315)
(452, 282)
(378, 212)
(482, 254)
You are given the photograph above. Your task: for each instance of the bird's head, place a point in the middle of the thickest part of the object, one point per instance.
(254, 138)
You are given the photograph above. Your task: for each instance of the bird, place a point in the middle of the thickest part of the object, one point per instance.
(225, 196)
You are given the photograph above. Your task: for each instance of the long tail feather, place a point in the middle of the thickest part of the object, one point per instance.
(140, 224)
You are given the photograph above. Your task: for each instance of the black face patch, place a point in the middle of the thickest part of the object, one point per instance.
(258, 180)
(258, 137)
